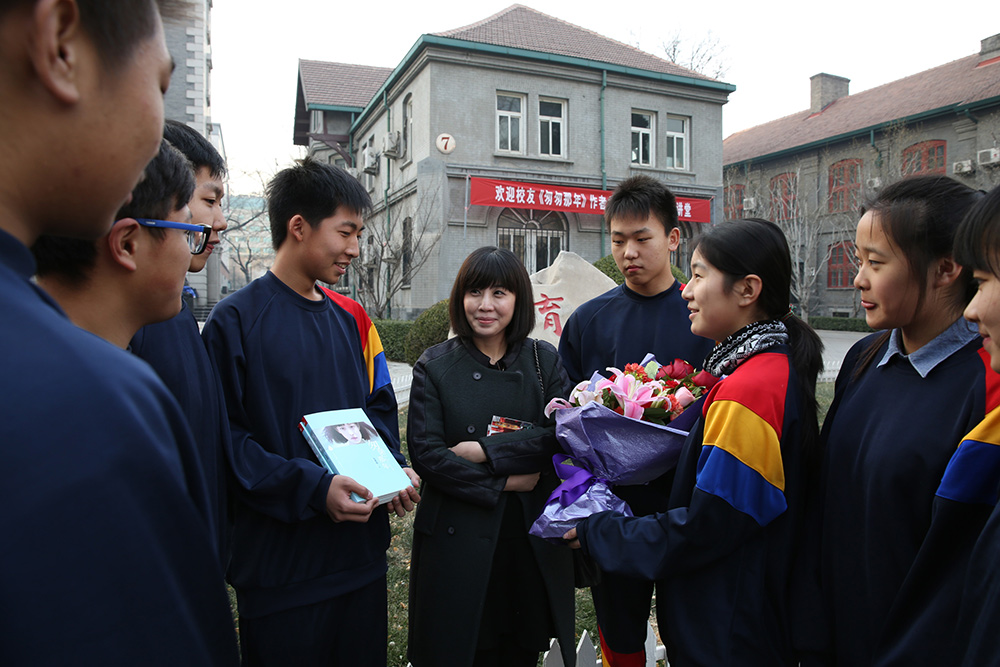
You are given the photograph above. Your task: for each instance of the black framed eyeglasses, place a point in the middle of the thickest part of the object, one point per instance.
(197, 235)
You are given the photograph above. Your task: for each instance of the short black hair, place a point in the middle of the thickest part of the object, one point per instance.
(195, 147)
(166, 186)
(977, 241)
(637, 197)
(116, 27)
(494, 267)
(314, 190)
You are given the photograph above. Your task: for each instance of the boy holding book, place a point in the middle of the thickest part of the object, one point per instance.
(174, 348)
(308, 562)
(646, 314)
(106, 558)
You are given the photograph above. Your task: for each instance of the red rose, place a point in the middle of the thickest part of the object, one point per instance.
(679, 369)
(705, 379)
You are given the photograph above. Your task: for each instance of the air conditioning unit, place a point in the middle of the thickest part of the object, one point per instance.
(749, 204)
(963, 167)
(391, 145)
(369, 160)
(353, 171)
(988, 157)
(874, 183)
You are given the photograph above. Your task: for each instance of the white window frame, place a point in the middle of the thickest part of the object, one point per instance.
(369, 178)
(649, 132)
(685, 138)
(407, 126)
(511, 117)
(546, 123)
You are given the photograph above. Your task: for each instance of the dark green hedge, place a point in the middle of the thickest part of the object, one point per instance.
(607, 266)
(430, 328)
(393, 334)
(840, 324)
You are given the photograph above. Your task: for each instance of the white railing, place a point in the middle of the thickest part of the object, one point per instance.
(829, 372)
(586, 654)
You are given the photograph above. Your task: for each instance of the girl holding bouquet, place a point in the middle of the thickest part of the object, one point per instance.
(722, 552)
(482, 591)
(904, 399)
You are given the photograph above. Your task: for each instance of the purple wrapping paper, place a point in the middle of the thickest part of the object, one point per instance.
(607, 448)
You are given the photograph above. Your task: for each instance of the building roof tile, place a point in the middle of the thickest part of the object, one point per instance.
(340, 84)
(957, 83)
(524, 28)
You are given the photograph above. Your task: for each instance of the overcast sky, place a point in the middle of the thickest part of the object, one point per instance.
(772, 48)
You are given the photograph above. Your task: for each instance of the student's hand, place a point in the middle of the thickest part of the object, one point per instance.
(470, 450)
(407, 498)
(572, 541)
(341, 507)
(522, 482)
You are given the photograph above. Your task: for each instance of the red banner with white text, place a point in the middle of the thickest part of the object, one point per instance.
(513, 194)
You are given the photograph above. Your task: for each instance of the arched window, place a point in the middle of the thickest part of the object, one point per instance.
(845, 186)
(927, 157)
(536, 237)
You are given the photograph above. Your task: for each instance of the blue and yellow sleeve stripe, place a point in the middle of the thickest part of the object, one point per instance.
(973, 473)
(740, 460)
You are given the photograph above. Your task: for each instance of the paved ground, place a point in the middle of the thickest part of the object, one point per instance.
(835, 346)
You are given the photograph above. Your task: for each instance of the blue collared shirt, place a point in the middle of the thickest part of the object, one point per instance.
(949, 341)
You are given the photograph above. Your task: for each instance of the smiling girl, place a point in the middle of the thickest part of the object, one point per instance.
(723, 549)
(483, 591)
(904, 399)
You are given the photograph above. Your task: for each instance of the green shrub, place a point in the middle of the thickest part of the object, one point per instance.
(607, 266)
(393, 334)
(430, 328)
(840, 324)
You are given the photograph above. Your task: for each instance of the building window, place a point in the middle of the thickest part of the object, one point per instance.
(783, 204)
(509, 122)
(642, 138)
(368, 160)
(840, 269)
(536, 237)
(733, 196)
(407, 127)
(677, 142)
(406, 251)
(550, 127)
(927, 157)
(845, 186)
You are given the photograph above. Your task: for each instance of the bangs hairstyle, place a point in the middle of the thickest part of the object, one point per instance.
(195, 147)
(920, 216)
(637, 197)
(494, 267)
(977, 242)
(314, 190)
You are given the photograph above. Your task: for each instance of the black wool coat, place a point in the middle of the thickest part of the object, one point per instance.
(453, 397)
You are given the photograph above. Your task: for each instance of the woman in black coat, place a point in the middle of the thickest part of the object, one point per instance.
(482, 591)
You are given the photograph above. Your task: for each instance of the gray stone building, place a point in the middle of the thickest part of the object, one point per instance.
(510, 131)
(810, 171)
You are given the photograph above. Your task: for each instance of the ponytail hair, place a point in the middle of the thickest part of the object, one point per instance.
(740, 248)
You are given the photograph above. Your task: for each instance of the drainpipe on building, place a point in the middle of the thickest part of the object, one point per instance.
(388, 212)
(350, 151)
(604, 170)
(878, 160)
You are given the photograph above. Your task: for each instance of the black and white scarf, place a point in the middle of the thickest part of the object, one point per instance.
(743, 344)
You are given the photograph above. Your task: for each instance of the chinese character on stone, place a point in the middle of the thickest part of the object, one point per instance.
(548, 307)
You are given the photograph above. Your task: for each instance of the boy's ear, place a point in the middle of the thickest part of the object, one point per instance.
(748, 289)
(296, 227)
(122, 242)
(57, 46)
(674, 239)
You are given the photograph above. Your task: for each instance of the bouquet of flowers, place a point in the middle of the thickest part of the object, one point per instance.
(626, 429)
